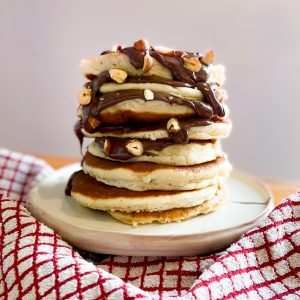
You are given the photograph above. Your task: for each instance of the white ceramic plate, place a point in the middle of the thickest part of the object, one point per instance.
(249, 202)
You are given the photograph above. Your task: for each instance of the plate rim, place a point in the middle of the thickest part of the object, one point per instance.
(269, 203)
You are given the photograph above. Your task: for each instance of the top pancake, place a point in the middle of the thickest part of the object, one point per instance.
(96, 65)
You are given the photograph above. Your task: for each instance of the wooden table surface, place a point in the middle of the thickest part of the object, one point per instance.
(280, 189)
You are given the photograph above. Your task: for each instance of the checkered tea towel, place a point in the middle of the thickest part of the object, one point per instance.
(35, 263)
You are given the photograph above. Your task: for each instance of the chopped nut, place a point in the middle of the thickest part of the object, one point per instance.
(164, 50)
(148, 94)
(94, 122)
(142, 45)
(135, 147)
(79, 111)
(148, 63)
(173, 126)
(117, 75)
(84, 97)
(209, 57)
(192, 63)
(107, 147)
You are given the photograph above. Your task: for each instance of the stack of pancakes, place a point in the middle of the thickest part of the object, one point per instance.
(155, 115)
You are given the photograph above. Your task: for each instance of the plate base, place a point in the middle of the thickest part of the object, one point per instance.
(249, 202)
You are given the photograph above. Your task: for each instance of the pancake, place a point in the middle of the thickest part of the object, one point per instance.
(148, 176)
(139, 110)
(149, 111)
(145, 102)
(215, 130)
(98, 64)
(175, 154)
(172, 215)
(181, 92)
(91, 193)
(133, 104)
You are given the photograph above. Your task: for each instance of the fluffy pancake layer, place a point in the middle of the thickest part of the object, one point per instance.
(175, 154)
(98, 64)
(148, 176)
(130, 104)
(216, 130)
(172, 215)
(97, 195)
(139, 110)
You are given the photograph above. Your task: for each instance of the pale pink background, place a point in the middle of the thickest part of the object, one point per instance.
(259, 42)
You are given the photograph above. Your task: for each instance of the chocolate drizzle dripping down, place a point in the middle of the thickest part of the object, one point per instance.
(91, 110)
(209, 96)
(136, 56)
(118, 150)
(68, 188)
(132, 128)
(117, 146)
(175, 64)
(78, 133)
(182, 137)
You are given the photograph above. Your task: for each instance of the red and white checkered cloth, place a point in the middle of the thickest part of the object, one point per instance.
(35, 263)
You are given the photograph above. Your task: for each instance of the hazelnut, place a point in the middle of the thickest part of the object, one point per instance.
(135, 147)
(107, 147)
(141, 45)
(148, 63)
(173, 126)
(84, 97)
(94, 122)
(117, 75)
(148, 94)
(164, 50)
(208, 57)
(192, 63)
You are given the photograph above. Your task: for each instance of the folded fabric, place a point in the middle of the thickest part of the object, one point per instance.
(35, 263)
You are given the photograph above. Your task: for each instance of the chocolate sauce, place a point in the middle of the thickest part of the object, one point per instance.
(176, 65)
(91, 109)
(117, 146)
(179, 138)
(209, 96)
(136, 56)
(110, 99)
(78, 133)
(68, 188)
(182, 137)
(131, 128)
